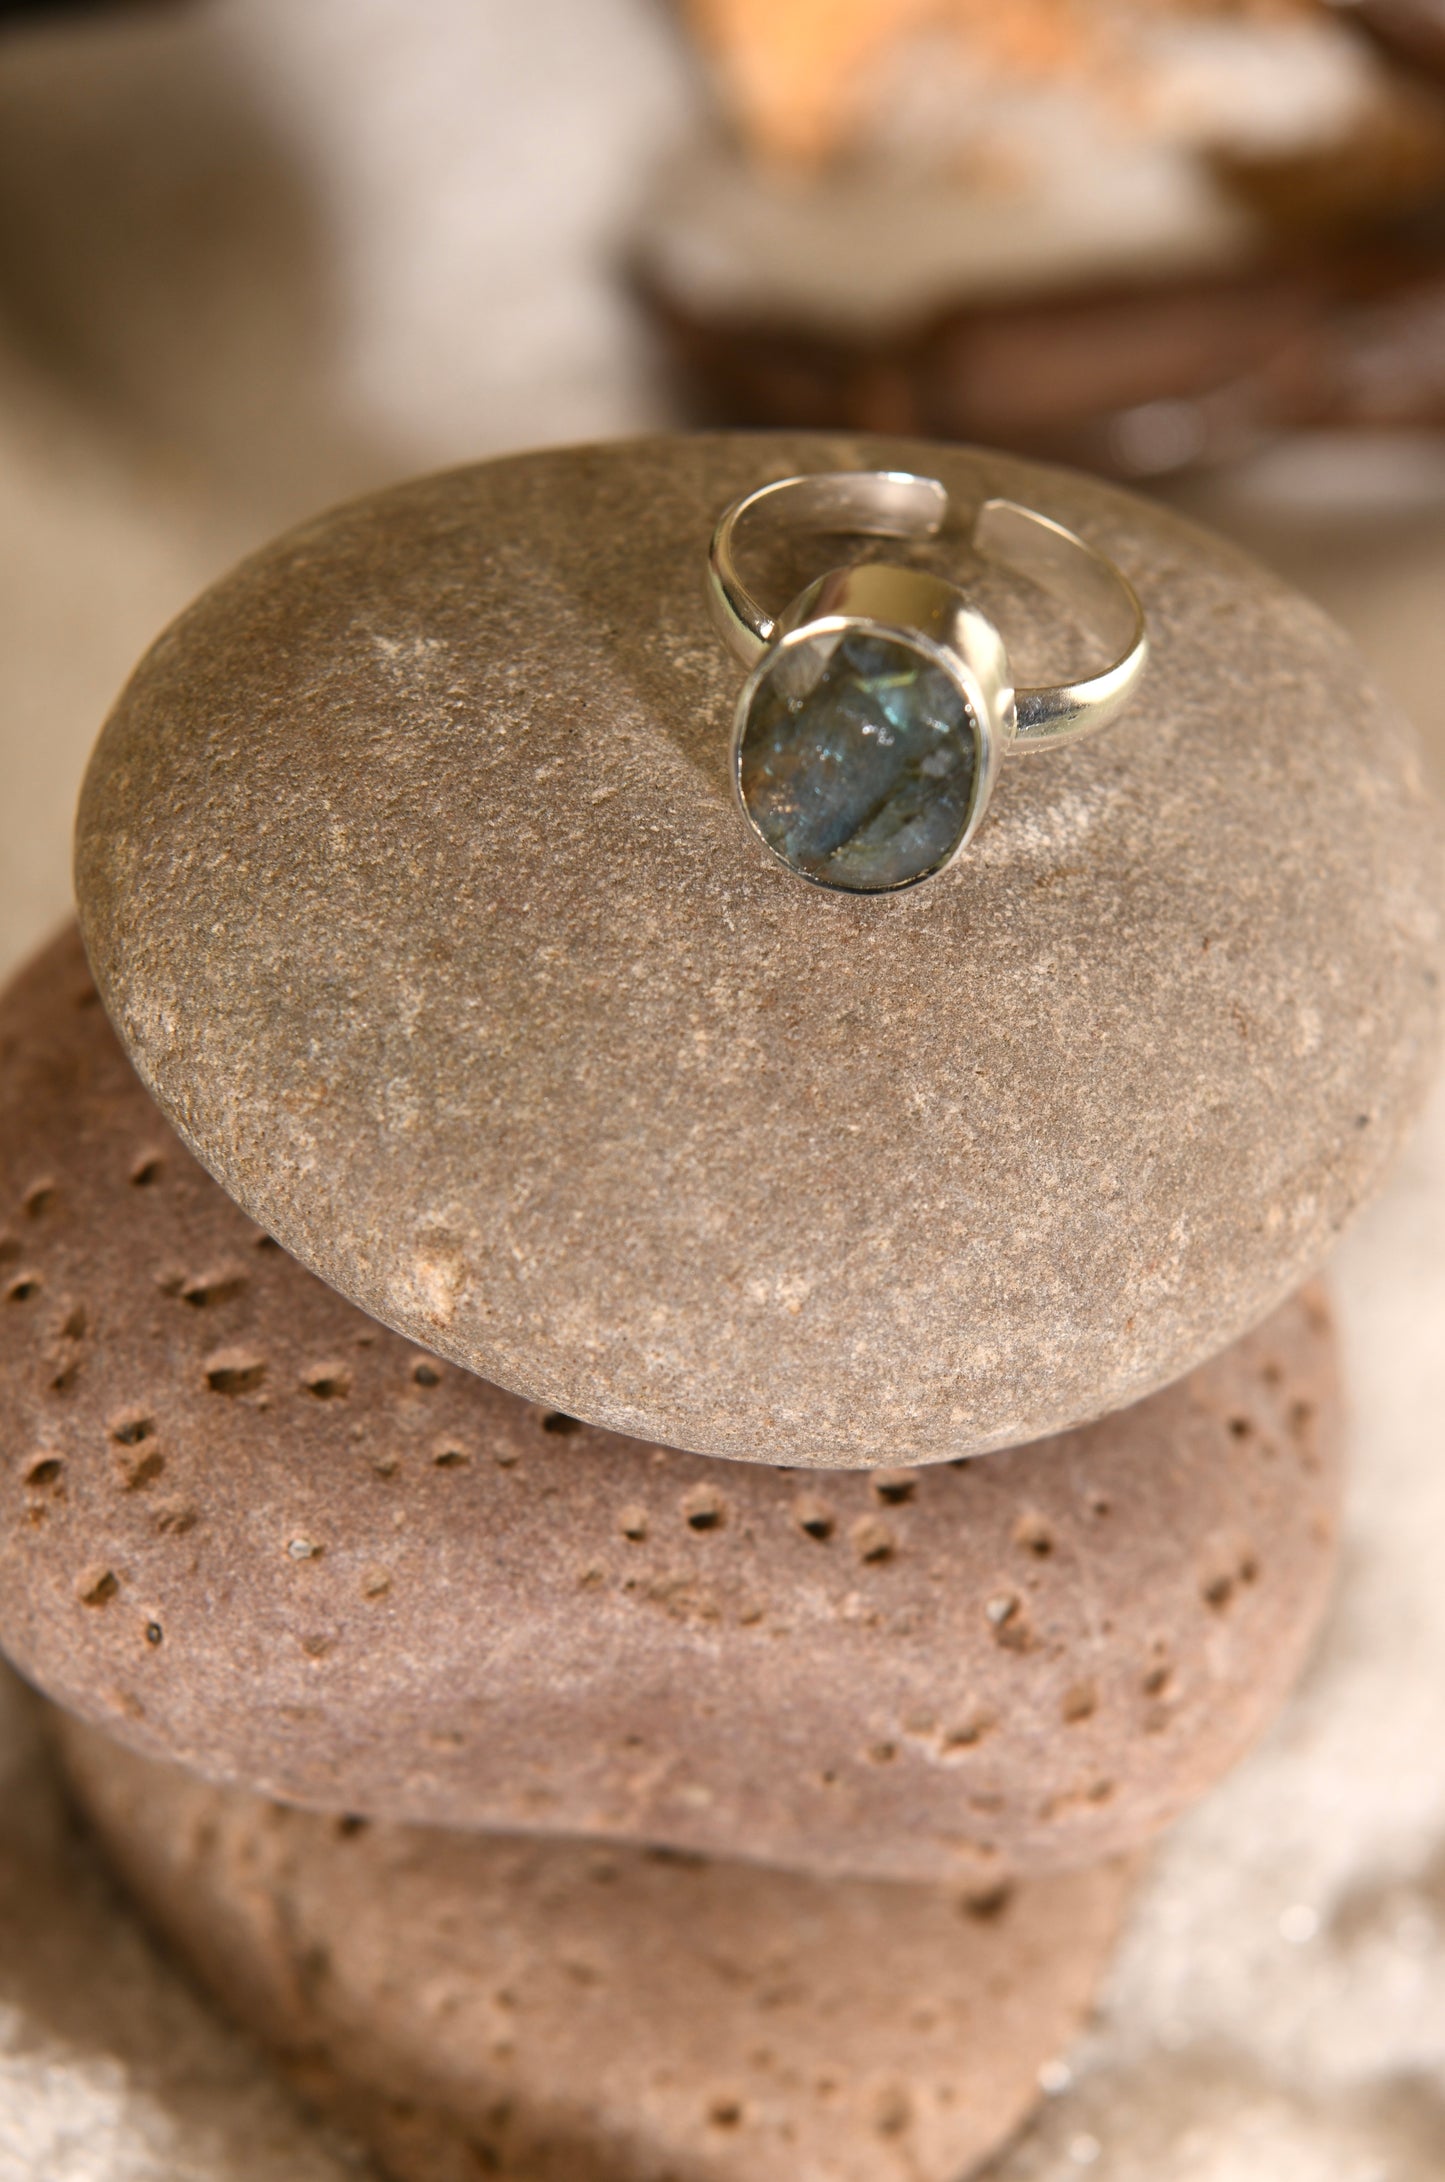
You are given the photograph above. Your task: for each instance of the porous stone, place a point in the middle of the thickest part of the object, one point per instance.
(564, 2012)
(244, 1527)
(409, 869)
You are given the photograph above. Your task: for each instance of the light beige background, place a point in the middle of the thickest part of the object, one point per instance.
(255, 256)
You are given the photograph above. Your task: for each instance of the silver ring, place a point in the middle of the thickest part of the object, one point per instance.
(880, 704)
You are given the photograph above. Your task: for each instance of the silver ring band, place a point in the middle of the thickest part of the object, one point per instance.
(897, 504)
(924, 635)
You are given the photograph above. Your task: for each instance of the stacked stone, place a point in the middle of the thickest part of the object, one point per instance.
(556, 1798)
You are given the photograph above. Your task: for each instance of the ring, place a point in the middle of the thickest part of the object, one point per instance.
(880, 704)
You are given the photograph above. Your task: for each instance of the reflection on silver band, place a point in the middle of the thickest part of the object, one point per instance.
(897, 504)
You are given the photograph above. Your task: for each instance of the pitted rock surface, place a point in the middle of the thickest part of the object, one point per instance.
(410, 873)
(246, 1528)
(564, 2012)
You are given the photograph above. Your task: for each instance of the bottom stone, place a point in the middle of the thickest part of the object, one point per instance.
(246, 1529)
(565, 2011)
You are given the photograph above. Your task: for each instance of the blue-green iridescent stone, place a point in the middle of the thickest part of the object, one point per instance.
(857, 760)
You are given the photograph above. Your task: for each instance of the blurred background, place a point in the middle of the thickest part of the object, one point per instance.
(259, 255)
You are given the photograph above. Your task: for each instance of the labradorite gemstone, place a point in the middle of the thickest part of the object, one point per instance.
(857, 760)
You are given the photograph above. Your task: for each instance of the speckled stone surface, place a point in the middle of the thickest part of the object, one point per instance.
(243, 1527)
(409, 871)
(564, 2012)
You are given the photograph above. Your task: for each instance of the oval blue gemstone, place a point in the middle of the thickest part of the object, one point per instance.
(857, 760)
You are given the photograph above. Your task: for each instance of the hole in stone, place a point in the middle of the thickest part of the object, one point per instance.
(348, 1827)
(895, 1488)
(43, 1470)
(451, 1458)
(426, 1375)
(1099, 1505)
(632, 1523)
(97, 1587)
(725, 2113)
(154, 1632)
(139, 1470)
(814, 1518)
(130, 1427)
(146, 1170)
(328, 1382)
(988, 1903)
(1079, 1703)
(22, 1290)
(39, 1198)
(207, 1289)
(892, 2111)
(702, 1509)
(1157, 1681)
(1034, 1535)
(1010, 1624)
(235, 1371)
(968, 1736)
(174, 1518)
(872, 1541)
(1240, 1428)
(559, 1422)
(1217, 1591)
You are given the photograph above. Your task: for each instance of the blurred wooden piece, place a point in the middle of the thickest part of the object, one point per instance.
(793, 73)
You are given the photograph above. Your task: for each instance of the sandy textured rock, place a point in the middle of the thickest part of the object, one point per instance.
(248, 1529)
(563, 2012)
(111, 2070)
(409, 871)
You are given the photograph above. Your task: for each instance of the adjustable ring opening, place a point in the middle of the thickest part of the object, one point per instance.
(900, 504)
